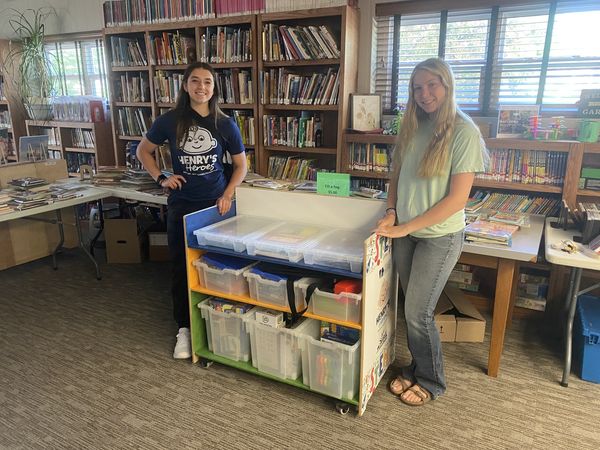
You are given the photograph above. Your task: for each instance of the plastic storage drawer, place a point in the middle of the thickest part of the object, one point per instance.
(226, 332)
(342, 249)
(232, 233)
(331, 368)
(275, 292)
(228, 280)
(285, 241)
(277, 351)
(586, 338)
(344, 306)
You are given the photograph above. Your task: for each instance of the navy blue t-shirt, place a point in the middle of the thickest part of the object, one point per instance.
(200, 158)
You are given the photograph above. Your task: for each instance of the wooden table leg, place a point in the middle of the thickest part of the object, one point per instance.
(504, 286)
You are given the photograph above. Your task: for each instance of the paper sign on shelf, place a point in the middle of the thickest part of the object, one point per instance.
(331, 183)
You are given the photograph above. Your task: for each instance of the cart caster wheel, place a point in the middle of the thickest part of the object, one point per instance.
(342, 408)
(205, 363)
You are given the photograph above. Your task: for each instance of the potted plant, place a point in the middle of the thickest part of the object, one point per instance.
(34, 70)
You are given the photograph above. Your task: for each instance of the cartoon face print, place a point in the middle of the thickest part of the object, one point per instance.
(199, 140)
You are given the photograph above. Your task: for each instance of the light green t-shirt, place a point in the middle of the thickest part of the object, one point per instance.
(416, 194)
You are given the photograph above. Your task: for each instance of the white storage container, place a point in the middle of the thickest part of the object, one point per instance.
(233, 232)
(331, 368)
(342, 249)
(344, 306)
(226, 332)
(277, 350)
(275, 292)
(285, 241)
(226, 280)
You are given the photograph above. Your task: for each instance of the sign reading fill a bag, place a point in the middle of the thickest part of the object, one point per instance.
(331, 183)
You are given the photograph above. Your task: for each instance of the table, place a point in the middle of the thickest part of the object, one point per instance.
(525, 246)
(88, 194)
(582, 259)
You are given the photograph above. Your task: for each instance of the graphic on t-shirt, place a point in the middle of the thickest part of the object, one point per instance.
(199, 141)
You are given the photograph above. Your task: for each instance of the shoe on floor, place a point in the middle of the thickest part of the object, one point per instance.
(183, 347)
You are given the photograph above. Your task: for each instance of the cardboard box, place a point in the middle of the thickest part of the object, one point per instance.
(158, 248)
(122, 241)
(457, 320)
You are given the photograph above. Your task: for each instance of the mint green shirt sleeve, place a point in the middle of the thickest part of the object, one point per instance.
(467, 149)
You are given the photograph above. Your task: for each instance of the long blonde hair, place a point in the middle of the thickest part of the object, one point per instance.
(438, 150)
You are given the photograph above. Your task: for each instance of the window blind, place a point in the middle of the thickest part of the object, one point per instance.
(542, 53)
(80, 67)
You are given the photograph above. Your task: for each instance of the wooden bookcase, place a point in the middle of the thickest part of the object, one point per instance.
(13, 118)
(153, 103)
(352, 159)
(343, 23)
(65, 140)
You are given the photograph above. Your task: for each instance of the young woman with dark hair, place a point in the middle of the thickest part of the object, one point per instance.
(199, 135)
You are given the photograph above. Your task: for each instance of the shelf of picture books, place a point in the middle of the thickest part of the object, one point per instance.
(526, 165)
(78, 143)
(307, 68)
(285, 298)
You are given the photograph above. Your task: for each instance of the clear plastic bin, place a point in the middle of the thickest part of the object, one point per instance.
(226, 332)
(275, 292)
(285, 241)
(330, 368)
(344, 306)
(342, 249)
(226, 280)
(277, 350)
(232, 233)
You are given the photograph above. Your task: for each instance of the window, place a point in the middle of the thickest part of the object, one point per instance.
(543, 53)
(80, 65)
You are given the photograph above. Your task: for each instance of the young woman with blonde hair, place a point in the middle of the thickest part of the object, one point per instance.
(438, 151)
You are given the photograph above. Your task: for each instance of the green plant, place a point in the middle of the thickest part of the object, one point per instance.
(35, 71)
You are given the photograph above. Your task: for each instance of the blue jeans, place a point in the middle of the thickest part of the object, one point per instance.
(424, 265)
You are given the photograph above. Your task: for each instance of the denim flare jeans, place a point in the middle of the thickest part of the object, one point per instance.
(424, 265)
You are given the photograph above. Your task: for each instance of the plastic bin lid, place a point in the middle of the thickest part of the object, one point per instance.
(267, 275)
(290, 235)
(236, 227)
(344, 243)
(219, 261)
(588, 307)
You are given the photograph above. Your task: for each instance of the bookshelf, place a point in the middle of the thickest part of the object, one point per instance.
(146, 65)
(367, 158)
(12, 116)
(76, 142)
(295, 50)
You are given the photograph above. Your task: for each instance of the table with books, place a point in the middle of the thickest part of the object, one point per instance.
(31, 203)
(505, 259)
(562, 250)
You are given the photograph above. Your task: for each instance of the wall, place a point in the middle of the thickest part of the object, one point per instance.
(72, 16)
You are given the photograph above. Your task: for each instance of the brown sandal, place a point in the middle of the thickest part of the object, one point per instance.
(423, 394)
(399, 385)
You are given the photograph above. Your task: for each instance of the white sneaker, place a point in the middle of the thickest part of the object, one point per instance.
(183, 347)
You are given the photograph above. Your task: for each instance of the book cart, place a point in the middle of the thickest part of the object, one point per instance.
(377, 325)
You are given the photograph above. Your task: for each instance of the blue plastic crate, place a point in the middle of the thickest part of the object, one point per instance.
(586, 338)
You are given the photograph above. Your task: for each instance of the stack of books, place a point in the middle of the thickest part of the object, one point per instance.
(109, 175)
(462, 277)
(490, 232)
(138, 179)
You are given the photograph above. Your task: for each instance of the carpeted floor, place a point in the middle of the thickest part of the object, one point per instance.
(86, 364)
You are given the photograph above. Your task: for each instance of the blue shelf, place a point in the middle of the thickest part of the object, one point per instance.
(283, 262)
